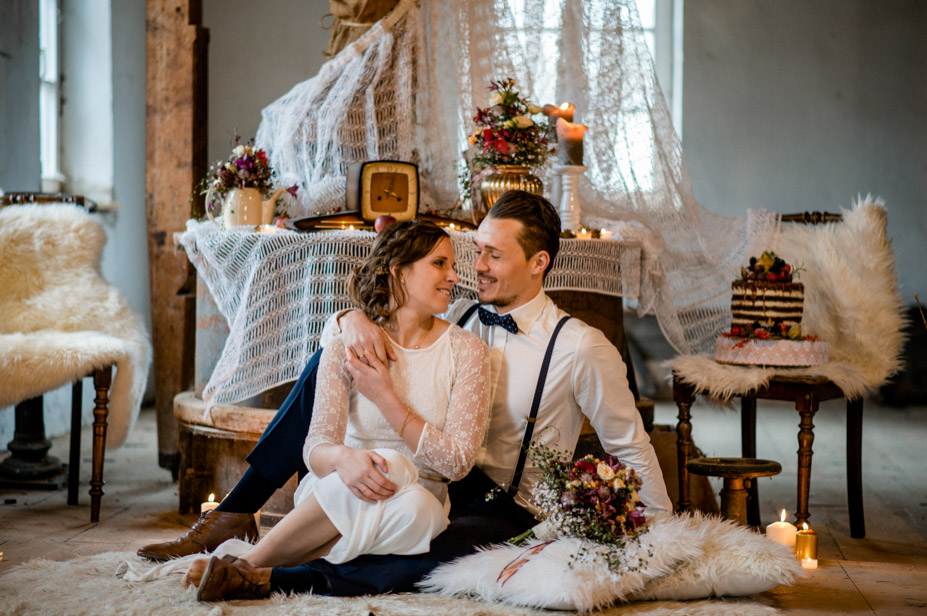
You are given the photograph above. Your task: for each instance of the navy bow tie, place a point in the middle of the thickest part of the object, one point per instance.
(504, 321)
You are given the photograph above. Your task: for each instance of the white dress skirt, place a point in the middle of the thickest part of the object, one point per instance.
(381, 527)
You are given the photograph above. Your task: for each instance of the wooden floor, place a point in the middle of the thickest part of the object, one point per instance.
(884, 574)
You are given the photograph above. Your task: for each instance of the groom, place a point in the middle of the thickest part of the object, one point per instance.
(584, 376)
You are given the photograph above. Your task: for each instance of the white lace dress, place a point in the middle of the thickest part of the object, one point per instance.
(447, 384)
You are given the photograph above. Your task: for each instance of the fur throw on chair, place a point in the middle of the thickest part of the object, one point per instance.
(59, 319)
(851, 302)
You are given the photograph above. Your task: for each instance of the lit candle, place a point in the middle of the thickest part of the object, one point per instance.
(806, 544)
(570, 142)
(584, 234)
(351, 229)
(451, 226)
(782, 532)
(565, 111)
(809, 563)
(210, 504)
(605, 234)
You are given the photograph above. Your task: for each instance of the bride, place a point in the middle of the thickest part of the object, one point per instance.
(384, 441)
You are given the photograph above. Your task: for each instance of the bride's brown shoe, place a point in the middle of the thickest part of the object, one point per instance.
(232, 578)
(210, 530)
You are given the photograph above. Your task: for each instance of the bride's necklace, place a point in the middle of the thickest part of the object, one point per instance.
(392, 331)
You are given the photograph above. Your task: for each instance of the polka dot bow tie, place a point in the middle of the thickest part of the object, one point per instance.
(504, 321)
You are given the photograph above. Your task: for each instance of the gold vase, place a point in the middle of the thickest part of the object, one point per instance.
(508, 177)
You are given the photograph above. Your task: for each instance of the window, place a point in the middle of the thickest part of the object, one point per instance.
(49, 95)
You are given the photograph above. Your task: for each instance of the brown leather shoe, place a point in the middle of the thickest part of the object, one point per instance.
(232, 578)
(210, 530)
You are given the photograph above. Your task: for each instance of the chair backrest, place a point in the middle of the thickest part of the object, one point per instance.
(851, 296)
(50, 269)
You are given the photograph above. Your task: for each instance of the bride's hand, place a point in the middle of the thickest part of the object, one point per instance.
(357, 468)
(364, 337)
(371, 377)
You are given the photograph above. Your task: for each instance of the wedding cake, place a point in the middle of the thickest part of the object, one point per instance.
(766, 308)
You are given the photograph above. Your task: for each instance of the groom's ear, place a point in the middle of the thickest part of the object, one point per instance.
(538, 263)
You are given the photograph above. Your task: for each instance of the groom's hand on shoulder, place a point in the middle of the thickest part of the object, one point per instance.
(363, 336)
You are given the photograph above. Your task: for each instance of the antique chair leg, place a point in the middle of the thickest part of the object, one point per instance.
(684, 396)
(748, 450)
(101, 382)
(854, 468)
(77, 393)
(807, 406)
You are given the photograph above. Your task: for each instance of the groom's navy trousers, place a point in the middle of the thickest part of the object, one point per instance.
(474, 519)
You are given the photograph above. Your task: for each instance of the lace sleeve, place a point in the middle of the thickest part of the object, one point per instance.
(332, 396)
(452, 451)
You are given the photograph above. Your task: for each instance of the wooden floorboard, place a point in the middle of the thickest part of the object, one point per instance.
(884, 574)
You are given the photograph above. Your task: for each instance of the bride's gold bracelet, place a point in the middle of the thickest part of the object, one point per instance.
(405, 422)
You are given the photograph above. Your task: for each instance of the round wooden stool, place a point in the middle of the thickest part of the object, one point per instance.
(735, 472)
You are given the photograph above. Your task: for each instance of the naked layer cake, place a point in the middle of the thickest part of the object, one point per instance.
(766, 309)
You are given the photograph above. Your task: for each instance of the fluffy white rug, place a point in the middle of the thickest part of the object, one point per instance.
(851, 302)
(59, 319)
(684, 557)
(89, 586)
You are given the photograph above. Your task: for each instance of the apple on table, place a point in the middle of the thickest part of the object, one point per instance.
(383, 221)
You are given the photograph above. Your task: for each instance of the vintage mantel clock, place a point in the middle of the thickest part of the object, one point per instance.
(383, 188)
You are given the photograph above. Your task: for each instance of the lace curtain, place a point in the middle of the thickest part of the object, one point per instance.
(408, 87)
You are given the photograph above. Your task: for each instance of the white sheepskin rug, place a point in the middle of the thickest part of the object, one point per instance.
(851, 302)
(681, 557)
(88, 585)
(59, 319)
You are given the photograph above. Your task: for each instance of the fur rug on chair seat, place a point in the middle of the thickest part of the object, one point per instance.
(59, 319)
(851, 302)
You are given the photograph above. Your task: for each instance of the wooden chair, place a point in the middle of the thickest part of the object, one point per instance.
(59, 322)
(849, 277)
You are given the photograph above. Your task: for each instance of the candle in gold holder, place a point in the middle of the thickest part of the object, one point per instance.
(806, 544)
(209, 505)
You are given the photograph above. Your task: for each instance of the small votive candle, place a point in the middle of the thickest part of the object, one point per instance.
(210, 504)
(809, 563)
(782, 532)
(583, 234)
(806, 544)
(605, 234)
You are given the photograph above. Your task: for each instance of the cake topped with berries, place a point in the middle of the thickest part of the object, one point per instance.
(766, 294)
(766, 309)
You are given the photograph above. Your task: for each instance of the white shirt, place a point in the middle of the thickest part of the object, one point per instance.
(586, 377)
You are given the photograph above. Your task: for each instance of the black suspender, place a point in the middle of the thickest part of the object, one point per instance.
(466, 316)
(535, 405)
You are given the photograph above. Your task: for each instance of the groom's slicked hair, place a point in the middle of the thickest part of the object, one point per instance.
(541, 222)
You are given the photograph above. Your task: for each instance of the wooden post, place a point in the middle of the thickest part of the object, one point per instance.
(176, 160)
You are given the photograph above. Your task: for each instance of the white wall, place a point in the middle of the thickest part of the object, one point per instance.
(257, 52)
(795, 105)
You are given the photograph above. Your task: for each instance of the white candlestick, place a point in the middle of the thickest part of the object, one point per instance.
(569, 195)
(782, 532)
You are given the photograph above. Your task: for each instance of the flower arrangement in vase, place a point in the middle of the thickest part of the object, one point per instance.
(238, 184)
(506, 145)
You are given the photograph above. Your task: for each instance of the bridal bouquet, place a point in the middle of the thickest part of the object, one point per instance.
(591, 499)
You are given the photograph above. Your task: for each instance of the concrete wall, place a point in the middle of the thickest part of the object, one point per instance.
(19, 96)
(794, 105)
(257, 52)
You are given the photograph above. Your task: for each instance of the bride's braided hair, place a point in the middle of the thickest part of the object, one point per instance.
(399, 245)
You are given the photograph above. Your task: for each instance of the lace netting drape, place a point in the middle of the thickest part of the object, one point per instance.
(409, 86)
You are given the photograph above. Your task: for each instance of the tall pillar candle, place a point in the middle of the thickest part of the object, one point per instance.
(565, 111)
(570, 142)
